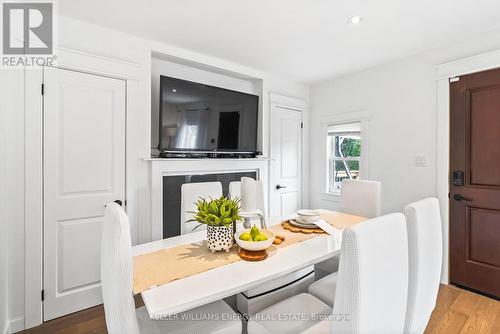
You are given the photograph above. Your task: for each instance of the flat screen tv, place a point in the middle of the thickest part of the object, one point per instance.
(200, 118)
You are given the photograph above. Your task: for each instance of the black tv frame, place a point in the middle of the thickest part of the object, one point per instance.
(181, 153)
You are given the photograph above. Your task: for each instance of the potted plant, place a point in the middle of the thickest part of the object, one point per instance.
(219, 215)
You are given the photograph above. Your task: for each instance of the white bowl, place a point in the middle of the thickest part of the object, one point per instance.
(304, 222)
(308, 216)
(255, 245)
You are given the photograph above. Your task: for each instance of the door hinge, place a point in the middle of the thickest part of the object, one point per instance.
(43, 295)
(43, 89)
(301, 125)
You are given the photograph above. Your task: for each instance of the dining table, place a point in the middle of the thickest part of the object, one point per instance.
(185, 293)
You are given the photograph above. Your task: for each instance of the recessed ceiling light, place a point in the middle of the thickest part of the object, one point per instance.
(354, 20)
(174, 90)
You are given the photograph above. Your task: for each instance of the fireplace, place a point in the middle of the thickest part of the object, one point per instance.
(168, 175)
(172, 195)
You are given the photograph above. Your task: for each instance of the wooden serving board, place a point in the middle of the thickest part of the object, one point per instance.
(287, 226)
(252, 256)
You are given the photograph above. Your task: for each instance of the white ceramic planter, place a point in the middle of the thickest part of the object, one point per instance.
(220, 238)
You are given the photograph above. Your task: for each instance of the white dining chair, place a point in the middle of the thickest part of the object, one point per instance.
(235, 192)
(116, 279)
(361, 198)
(325, 287)
(423, 220)
(235, 189)
(371, 292)
(190, 194)
(357, 197)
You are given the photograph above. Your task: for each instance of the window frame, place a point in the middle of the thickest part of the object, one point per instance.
(333, 158)
(360, 116)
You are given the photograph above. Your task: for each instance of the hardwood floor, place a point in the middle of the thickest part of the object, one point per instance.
(457, 311)
(461, 311)
(89, 321)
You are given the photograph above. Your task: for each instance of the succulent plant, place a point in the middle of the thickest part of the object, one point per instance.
(216, 212)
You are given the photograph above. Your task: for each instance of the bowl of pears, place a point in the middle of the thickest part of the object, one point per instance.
(253, 239)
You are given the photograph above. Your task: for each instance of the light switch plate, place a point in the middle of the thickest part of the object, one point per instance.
(420, 161)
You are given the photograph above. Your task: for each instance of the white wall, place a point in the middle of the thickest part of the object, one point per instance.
(3, 281)
(4, 296)
(4, 214)
(400, 99)
(3, 284)
(12, 192)
(84, 40)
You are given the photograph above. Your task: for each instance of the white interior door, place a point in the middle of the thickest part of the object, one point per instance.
(286, 161)
(84, 168)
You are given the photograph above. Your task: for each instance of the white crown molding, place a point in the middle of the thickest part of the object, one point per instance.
(289, 102)
(473, 64)
(99, 64)
(98, 56)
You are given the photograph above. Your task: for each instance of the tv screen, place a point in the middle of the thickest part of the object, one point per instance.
(198, 117)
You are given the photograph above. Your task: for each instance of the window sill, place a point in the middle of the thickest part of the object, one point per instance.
(332, 197)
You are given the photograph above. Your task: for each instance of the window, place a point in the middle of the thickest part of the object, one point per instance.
(189, 136)
(344, 153)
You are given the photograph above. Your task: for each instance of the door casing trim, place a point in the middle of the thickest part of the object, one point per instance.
(33, 174)
(299, 105)
(445, 72)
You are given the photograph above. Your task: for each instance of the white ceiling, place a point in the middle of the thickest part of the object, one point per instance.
(307, 40)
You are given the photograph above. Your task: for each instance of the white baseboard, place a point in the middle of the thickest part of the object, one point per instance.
(15, 325)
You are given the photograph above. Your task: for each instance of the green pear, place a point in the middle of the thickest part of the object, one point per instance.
(254, 232)
(260, 237)
(246, 236)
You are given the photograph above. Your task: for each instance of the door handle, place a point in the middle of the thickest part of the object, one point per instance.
(459, 197)
(278, 187)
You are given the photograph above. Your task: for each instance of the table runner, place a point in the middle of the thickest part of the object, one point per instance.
(341, 220)
(169, 264)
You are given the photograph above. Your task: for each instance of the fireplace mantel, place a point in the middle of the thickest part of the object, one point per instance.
(165, 167)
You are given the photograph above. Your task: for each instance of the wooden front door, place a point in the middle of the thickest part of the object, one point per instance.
(475, 182)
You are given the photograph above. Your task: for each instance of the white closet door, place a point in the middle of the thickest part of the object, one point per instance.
(286, 161)
(84, 168)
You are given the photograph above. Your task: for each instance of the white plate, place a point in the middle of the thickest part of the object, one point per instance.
(307, 212)
(304, 222)
(302, 225)
(309, 216)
